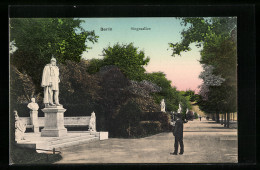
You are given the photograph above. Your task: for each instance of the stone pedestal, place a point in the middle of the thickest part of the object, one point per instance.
(54, 122)
(34, 120)
(103, 135)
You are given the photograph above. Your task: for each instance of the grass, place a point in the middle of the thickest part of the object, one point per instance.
(29, 156)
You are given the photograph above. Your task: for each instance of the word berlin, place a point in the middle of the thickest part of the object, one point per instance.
(140, 29)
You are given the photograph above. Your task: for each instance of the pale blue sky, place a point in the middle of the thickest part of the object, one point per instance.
(183, 70)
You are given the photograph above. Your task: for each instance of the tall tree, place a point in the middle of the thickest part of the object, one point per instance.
(191, 95)
(221, 55)
(127, 57)
(170, 94)
(21, 87)
(217, 36)
(37, 39)
(201, 30)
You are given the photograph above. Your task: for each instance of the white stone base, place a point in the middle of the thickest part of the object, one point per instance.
(36, 130)
(53, 132)
(103, 135)
(54, 122)
(34, 120)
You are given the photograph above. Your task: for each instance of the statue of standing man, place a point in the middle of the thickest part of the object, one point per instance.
(180, 109)
(50, 82)
(162, 105)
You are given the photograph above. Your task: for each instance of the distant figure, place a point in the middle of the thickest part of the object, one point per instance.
(20, 127)
(172, 114)
(162, 105)
(92, 122)
(33, 106)
(200, 117)
(189, 115)
(179, 110)
(178, 133)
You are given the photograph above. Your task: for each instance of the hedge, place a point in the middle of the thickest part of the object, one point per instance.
(150, 122)
(24, 111)
(163, 117)
(147, 128)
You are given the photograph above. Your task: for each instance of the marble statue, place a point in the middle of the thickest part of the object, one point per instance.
(33, 106)
(179, 110)
(187, 110)
(92, 122)
(20, 127)
(162, 105)
(50, 82)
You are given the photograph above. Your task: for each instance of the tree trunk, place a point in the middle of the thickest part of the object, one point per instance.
(222, 119)
(228, 118)
(217, 115)
(225, 119)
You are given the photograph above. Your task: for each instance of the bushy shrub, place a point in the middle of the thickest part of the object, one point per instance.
(126, 120)
(78, 110)
(128, 58)
(151, 127)
(158, 122)
(22, 109)
(152, 116)
(146, 128)
(77, 86)
(189, 116)
(95, 65)
(163, 118)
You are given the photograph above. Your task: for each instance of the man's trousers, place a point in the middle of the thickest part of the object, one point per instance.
(178, 140)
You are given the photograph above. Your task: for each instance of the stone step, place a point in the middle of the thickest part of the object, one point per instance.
(73, 134)
(78, 131)
(69, 138)
(71, 143)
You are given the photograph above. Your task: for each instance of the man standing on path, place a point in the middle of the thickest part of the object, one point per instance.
(178, 133)
(200, 117)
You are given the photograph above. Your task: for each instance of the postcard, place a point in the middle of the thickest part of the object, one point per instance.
(123, 90)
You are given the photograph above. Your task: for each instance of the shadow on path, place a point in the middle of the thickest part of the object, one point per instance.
(223, 128)
(217, 123)
(204, 131)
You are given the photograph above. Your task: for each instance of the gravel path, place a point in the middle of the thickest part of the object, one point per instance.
(204, 142)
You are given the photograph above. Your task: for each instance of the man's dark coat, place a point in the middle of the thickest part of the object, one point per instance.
(178, 129)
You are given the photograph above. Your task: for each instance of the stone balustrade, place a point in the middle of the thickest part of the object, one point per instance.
(78, 121)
